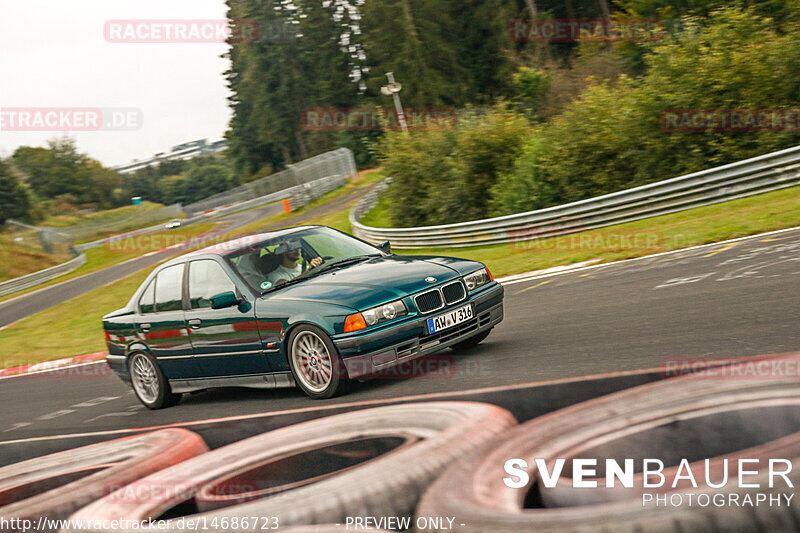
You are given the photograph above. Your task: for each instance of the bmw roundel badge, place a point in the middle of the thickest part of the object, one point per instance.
(430, 279)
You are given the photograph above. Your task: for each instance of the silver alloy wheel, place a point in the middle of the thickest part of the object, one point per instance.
(312, 361)
(145, 378)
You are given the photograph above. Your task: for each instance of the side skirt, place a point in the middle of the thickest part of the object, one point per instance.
(260, 381)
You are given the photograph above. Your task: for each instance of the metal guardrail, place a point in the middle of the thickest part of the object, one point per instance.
(37, 278)
(760, 174)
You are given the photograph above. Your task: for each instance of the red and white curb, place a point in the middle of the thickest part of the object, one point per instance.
(51, 366)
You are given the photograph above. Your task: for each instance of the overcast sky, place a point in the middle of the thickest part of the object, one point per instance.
(53, 54)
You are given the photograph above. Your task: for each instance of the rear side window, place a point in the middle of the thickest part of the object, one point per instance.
(147, 301)
(169, 296)
(206, 279)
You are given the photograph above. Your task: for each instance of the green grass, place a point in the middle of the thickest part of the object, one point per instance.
(66, 220)
(41, 337)
(120, 251)
(379, 216)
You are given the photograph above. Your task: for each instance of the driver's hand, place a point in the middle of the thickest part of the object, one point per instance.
(317, 261)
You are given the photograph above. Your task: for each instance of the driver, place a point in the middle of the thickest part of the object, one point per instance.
(289, 266)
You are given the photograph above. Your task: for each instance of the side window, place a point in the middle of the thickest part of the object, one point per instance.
(206, 279)
(147, 300)
(168, 289)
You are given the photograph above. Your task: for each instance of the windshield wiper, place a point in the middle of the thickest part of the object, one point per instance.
(325, 267)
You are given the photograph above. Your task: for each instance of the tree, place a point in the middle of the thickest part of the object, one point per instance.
(15, 201)
(104, 182)
(56, 170)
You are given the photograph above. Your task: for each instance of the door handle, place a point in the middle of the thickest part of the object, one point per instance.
(145, 327)
(195, 323)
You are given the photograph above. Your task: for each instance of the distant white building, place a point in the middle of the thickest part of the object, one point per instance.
(184, 151)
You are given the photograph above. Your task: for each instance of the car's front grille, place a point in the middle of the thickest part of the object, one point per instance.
(454, 292)
(429, 301)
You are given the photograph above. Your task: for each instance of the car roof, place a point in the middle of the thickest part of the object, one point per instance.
(228, 247)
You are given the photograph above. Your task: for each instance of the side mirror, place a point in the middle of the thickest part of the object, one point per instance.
(386, 246)
(224, 299)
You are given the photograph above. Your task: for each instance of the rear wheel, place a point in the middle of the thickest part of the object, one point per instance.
(149, 383)
(472, 341)
(315, 363)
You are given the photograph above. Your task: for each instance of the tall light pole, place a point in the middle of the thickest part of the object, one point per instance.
(393, 89)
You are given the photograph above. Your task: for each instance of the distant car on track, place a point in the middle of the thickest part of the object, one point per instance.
(172, 224)
(241, 313)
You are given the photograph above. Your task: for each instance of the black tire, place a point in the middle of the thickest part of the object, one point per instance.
(149, 383)
(472, 341)
(323, 374)
(702, 416)
(251, 477)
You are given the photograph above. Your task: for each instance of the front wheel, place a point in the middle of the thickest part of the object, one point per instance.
(149, 383)
(472, 341)
(315, 363)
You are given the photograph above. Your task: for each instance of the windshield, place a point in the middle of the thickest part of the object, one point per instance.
(275, 262)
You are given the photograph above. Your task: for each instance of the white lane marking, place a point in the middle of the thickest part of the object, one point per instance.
(531, 276)
(132, 410)
(756, 271)
(683, 281)
(16, 426)
(55, 414)
(97, 401)
(109, 415)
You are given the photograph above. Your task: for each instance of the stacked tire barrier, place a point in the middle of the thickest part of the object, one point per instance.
(417, 464)
(761, 174)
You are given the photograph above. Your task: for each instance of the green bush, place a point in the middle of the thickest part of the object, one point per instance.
(445, 176)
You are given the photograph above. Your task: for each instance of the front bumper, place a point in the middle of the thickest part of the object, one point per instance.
(368, 354)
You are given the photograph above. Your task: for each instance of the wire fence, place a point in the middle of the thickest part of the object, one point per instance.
(336, 163)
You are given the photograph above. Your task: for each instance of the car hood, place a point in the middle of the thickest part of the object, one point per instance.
(370, 283)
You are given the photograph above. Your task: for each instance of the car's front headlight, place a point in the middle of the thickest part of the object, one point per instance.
(376, 315)
(477, 279)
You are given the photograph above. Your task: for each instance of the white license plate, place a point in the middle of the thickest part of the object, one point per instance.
(450, 319)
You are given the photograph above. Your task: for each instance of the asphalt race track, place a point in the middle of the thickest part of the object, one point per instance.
(18, 308)
(726, 300)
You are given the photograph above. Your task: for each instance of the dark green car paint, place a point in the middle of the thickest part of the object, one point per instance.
(249, 339)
